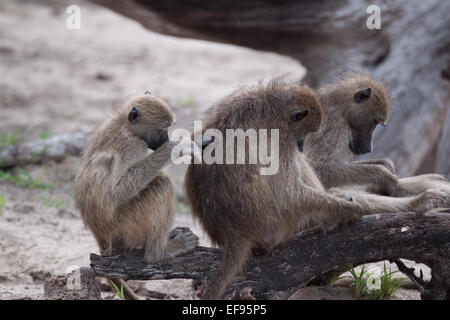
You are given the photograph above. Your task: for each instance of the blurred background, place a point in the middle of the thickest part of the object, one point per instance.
(55, 81)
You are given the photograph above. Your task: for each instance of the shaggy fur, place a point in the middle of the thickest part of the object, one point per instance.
(346, 120)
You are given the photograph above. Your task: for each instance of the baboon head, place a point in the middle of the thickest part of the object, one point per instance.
(292, 108)
(364, 103)
(304, 113)
(149, 118)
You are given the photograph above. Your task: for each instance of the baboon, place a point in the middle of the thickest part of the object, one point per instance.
(353, 107)
(239, 208)
(123, 197)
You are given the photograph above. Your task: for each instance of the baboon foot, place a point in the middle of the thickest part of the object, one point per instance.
(435, 177)
(246, 294)
(181, 240)
(430, 199)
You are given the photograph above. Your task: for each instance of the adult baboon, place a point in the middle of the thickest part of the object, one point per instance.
(241, 209)
(353, 107)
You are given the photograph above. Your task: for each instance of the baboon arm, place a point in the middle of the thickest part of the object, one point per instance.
(330, 209)
(372, 203)
(137, 175)
(411, 186)
(387, 163)
(326, 207)
(355, 173)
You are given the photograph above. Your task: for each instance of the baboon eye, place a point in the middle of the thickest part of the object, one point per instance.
(133, 115)
(362, 95)
(299, 114)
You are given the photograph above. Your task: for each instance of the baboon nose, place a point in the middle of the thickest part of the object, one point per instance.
(366, 149)
(300, 145)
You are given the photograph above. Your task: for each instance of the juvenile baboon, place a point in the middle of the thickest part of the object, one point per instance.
(241, 209)
(123, 197)
(353, 107)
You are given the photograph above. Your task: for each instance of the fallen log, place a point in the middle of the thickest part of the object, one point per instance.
(423, 239)
(37, 151)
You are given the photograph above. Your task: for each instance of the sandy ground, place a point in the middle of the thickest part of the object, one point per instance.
(54, 80)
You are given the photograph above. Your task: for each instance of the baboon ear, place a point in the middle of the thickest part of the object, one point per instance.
(133, 115)
(362, 95)
(298, 115)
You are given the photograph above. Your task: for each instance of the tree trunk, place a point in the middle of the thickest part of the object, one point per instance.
(424, 239)
(54, 148)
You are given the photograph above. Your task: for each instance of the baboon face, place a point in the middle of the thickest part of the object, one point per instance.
(305, 114)
(369, 109)
(149, 118)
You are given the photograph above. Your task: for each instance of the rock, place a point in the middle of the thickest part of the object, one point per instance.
(405, 294)
(79, 284)
(443, 151)
(23, 208)
(39, 275)
(322, 293)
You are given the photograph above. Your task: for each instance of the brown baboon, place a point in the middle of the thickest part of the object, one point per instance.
(123, 197)
(241, 209)
(353, 106)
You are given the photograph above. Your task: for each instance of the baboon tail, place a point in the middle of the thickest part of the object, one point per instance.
(233, 260)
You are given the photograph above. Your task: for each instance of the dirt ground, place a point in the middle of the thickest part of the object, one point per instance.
(53, 81)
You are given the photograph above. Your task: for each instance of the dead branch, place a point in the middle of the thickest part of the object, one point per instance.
(36, 151)
(424, 239)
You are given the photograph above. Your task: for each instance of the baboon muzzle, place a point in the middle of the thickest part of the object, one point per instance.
(158, 140)
(300, 145)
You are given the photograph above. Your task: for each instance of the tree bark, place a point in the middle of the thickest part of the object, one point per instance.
(44, 149)
(424, 239)
(411, 52)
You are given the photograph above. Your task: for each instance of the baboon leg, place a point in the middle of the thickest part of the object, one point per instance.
(372, 203)
(156, 248)
(412, 186)
(234, 257)
(380, 179)
(105, 246)
(329, 210)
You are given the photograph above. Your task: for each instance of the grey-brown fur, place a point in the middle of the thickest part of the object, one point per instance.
(241, 209)
(123, 197)
(331, 152)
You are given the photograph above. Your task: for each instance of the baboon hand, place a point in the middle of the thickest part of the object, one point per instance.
(388, 164)
(387, 184)
(430, 199)
(169, 145)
